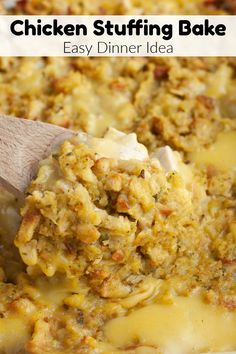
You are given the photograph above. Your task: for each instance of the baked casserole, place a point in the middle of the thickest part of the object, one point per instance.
(126, 240)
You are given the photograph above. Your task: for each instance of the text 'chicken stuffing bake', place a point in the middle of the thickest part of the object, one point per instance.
(121, 250)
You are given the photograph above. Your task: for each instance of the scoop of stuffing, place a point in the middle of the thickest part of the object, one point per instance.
(115, 222)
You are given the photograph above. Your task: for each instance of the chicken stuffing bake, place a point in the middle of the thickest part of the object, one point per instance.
(126, 241)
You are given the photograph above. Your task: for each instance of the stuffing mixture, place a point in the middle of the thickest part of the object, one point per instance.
(120, 216)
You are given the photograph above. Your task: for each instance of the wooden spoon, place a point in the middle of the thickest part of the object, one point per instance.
(23, 143)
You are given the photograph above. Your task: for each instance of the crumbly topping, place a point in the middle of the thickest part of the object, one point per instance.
(126, 233)
(108, 220)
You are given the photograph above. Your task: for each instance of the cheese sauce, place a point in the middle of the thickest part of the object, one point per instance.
(14, 333)
(187, 326)
(221, 154)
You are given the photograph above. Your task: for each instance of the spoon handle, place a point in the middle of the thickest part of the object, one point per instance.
(23, 143)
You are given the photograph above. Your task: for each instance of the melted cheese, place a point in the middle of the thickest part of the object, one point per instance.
(187, 326)
(221, 154)
(52, 291)
(14, 333)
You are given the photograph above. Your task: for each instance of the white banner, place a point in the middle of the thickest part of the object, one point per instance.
(117, 36)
